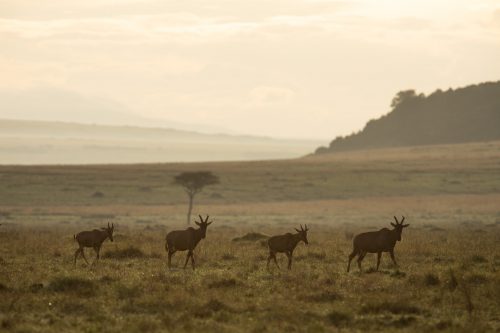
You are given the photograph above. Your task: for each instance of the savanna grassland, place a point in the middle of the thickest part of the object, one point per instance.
(448, 277)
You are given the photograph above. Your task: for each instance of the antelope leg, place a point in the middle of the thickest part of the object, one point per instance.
(275, 261)
(289, 255)
(83, 255)
(269, 260)
(76, 255)
(360, 259)
(96, 250)
(170, 254)
(392, 257)
(379, 254)
(187, 258)
(351, 256)
(192, 260)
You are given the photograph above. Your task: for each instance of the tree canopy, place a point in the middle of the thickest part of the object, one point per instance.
(194, 182)
(469, 114)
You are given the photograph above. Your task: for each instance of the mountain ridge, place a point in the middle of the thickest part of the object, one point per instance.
(42, 142)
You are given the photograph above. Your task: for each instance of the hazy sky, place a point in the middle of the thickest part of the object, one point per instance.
(284, 68)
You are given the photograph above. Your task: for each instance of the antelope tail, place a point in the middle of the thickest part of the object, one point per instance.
(166, 245)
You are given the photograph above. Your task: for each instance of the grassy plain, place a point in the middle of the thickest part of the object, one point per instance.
(448, 279)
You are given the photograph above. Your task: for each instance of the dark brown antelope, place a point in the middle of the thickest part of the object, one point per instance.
(380, 241)
(93, 239)
(286, 244)
(186, 240)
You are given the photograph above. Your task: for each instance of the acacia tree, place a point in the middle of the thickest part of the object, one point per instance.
(193, 183)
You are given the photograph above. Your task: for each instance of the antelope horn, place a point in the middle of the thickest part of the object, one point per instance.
(206, 220)
(306, 227)
(397, 222)
(201, 218)
(402, 220)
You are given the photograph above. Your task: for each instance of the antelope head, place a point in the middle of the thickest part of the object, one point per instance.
(110, 230)
(398, 226)
(303, 233)
(203, 224)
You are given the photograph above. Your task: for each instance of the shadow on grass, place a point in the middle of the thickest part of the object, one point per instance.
(338, 318)
(210, 308)
(224, 283)
(130, 252)
(323, 297)
(74, 285)
(251, 237)
(397, 307)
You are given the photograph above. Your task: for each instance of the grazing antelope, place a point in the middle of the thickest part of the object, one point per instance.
(182, 240)
(286, 243)
(93, 239)
(380, 241)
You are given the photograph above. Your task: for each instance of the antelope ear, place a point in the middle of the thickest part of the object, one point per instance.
(297, 229)
(209, 223)
(405, 225)
(197, 223)
(393, 225)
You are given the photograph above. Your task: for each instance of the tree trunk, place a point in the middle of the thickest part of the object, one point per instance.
(190, 208)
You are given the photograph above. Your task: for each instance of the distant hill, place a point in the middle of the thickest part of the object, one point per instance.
(38, 142)
(470, 114)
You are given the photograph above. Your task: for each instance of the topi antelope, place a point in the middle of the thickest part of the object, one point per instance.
(182, 240)
(380, 241)
(286, 243)
(94, 239)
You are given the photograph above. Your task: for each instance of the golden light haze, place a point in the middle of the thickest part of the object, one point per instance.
(303, 69)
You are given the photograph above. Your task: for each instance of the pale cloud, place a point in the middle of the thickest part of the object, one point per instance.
(271, 95)
(22, 75)
(328, 65)
(495, 20)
